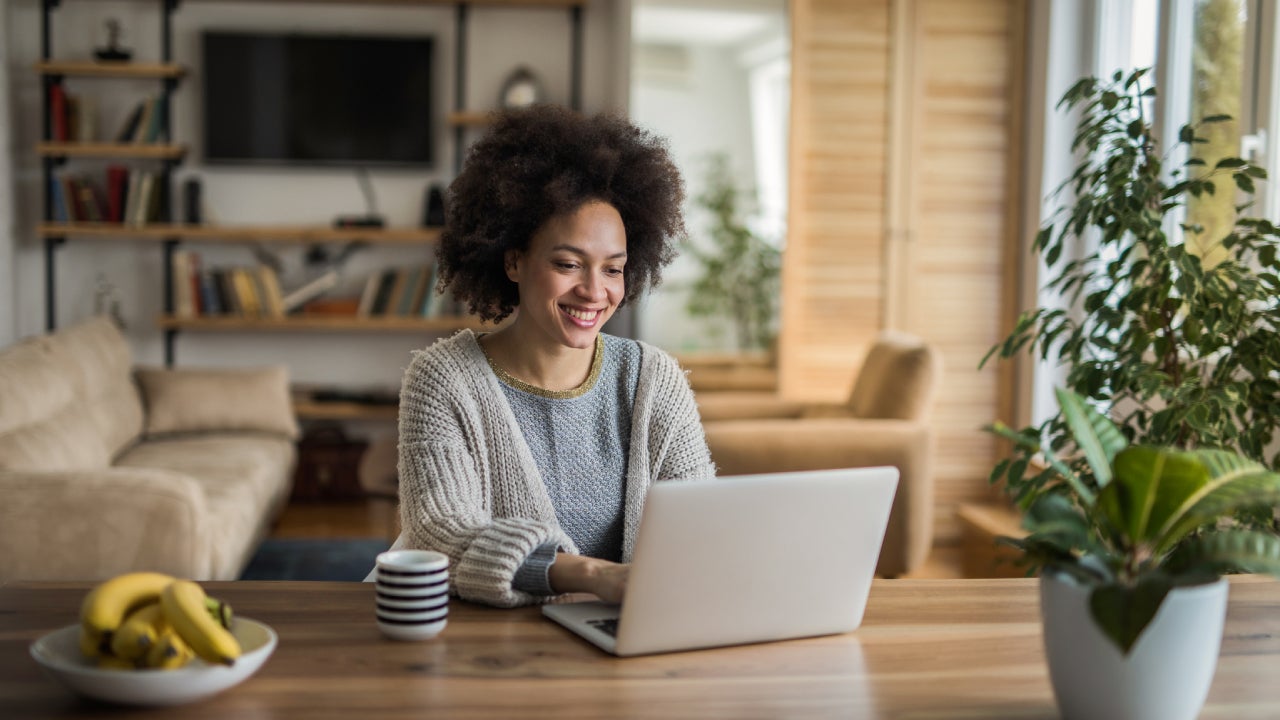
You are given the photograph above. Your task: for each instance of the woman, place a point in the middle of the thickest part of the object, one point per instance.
(525, 453)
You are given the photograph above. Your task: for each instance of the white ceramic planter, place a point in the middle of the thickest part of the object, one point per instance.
(1166, 675)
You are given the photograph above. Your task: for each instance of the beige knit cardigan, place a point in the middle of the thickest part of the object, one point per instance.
(469, 486)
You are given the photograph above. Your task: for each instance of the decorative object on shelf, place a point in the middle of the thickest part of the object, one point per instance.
(113, 52)
(106, 301)
(191, 201)
(433, 211)
(1133, 541)
(521, 89)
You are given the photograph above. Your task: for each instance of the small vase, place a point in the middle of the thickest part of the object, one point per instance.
(1167, 673)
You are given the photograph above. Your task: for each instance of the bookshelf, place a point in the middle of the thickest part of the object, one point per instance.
(62, 222)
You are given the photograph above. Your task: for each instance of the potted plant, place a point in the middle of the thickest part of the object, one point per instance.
(1152, 481)
(1174, 331)
(740, 269)
(1132, 550)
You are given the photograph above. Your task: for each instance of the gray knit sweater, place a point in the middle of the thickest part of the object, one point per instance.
(470, 488)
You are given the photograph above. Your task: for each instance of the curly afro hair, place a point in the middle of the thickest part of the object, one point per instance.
(544, 161)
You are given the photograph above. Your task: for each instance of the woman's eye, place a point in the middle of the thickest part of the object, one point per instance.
(567, 265)
(614, 271)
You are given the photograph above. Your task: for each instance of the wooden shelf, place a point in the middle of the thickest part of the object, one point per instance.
(471, 118)
(111, 150)
(322, 323)
(307, 234)
(97, 68)
(506, 3)
(308, 409)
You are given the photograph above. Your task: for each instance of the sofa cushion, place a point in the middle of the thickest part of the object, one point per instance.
(192, 400)
(245, 478)
(67, 401)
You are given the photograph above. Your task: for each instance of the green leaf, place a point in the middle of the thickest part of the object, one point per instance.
(1228, 551)
(1122, 613)
(1229, 162)
(1235, 482)
(1150, 485)
(1097, 436)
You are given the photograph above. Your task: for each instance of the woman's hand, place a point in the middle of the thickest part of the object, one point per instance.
(575, 573)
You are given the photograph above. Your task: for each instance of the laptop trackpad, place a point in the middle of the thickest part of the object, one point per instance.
(594, 621)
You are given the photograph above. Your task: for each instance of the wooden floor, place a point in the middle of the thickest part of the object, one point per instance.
(361, 519)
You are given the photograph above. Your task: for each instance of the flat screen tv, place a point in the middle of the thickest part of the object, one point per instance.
(317, 99)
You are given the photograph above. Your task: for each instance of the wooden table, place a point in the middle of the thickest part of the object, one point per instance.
(927, 649)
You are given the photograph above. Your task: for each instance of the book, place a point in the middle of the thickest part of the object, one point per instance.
(247, 296)
(117, 186)
(59, 202)
(58, 112)
(183, 306)
(70, 202)
(430, 300)
(130, 125)
(310, 291)
(227, 293)
(273, 299)
(131, 197)
(210, 298)
(83, 124)
(144, 122)
(398, 284)
(385, 281)
(368, 294)
(142, 210)
(412, 295)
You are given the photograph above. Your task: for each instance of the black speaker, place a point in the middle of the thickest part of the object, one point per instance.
(191, 202)
(433, 208)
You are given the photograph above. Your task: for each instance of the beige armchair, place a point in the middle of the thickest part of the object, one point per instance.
(884, 422)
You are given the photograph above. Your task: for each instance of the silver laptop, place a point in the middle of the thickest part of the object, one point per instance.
(745, 559)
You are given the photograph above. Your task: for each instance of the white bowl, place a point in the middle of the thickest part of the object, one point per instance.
(411, 616)
(429, 602)
(415, 631)
(59, 654)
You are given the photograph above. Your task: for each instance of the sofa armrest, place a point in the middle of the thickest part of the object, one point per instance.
(743, 447)
(94, 524)
(716, 406)
(197, 400)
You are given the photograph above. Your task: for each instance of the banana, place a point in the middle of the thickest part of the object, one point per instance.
(169, 652)
(219, 611)
(138, 632)
(92, 645)
(184, 607)
(107, 605)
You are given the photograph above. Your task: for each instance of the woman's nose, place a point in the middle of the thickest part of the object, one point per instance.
(591, 288)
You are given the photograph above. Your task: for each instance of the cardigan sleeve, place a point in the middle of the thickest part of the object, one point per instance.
(444, 494)
(679, 443)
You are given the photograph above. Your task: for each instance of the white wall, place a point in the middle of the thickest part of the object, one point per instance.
(499, 39)
(697, 97)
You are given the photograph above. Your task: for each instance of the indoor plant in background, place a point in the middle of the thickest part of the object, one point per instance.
(1167, 487)
(740, 269)
(1181, 352)
(1132, 550)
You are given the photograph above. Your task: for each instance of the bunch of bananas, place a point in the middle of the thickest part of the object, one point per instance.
(151, 620)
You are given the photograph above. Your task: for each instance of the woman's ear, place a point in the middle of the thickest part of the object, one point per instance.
(511, 263)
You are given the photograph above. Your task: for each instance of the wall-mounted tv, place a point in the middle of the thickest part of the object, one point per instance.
(317, 99)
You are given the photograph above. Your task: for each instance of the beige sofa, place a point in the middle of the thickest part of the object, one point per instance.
(104, 469)
(886, 421)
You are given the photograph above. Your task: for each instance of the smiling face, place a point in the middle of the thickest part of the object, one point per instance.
(571, 276)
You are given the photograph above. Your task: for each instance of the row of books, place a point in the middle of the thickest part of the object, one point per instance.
(72, 118)
(131, 197)
(236, 291)
(145, 123)
(404, 292)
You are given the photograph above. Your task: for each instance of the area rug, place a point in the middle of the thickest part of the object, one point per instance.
(346, 559)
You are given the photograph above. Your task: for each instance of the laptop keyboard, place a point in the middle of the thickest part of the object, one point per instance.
(608, 626)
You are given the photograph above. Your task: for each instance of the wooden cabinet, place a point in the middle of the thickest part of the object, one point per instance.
(328, 466)
(905, 162)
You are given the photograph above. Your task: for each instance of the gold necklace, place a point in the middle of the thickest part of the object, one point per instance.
(596, 361)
